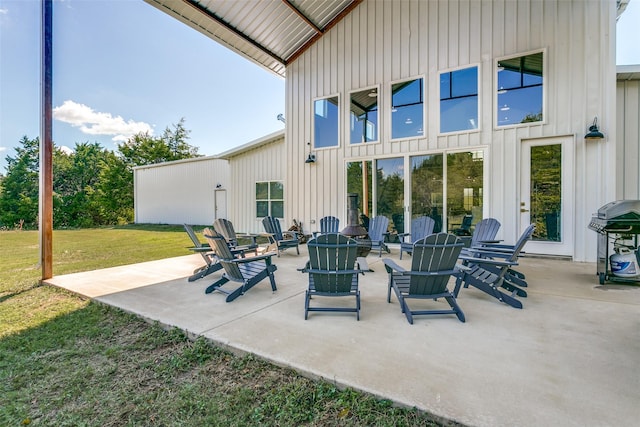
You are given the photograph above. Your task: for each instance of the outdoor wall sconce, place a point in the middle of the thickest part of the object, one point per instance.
(594, 133)
(311, 158)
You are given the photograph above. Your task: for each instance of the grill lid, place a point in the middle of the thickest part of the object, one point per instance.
(628, 209)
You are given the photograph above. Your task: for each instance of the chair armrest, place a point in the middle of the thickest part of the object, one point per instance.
(362, 264)
(487, 261)
(251, 258)
(390, 265)
(200, 249)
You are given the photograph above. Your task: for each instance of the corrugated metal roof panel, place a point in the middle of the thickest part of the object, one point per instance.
(267, 32)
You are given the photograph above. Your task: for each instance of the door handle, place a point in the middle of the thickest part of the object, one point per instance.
(524, 210)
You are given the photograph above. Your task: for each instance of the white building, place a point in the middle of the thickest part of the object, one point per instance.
(473, 107)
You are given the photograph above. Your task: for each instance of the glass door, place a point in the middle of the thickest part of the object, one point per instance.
(546, 194)
(390, 192)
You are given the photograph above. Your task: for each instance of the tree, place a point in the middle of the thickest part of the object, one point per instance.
(19, 193)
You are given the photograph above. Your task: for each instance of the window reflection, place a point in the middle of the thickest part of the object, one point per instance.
(363, 116)
(390, 190)
(426, 188)
(464, 187)
(407, 109)
(325, 122)
(520, 83)
(459, 100)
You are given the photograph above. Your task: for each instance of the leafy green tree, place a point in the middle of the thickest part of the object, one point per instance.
(75, 180)
(115, 191)
(19, 193)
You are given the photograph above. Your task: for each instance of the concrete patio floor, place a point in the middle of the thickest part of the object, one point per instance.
(570, 357)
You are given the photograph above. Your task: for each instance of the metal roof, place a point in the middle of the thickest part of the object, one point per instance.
(271, 33)
(628, 72)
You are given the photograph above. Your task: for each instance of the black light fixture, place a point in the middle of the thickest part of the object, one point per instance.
(594, 132)
(311, 158)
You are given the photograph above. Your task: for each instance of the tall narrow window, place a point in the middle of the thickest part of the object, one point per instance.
(459, 100)
(269, 199)
(407, 109)
(520, 89)
(363, 116)
(325, 122)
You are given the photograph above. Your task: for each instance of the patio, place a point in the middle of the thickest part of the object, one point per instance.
(570, 357)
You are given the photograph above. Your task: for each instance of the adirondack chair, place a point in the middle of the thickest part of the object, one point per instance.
(433, 263)
(276, 237)
(224, 227)
(377, 231)
(248, 271)
(485, 232)
(211, 262)
(491, 271)
(421, 227)
(333, 272)
(328, 224)
(465, 227)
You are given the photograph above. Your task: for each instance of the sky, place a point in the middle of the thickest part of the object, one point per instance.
(123, 67)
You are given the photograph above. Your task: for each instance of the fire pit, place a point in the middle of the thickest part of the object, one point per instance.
(354, 229)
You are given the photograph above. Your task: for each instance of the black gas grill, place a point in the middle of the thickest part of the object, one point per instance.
(615, 220)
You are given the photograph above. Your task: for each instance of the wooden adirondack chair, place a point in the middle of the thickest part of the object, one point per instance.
(211, 262)
(490, 270)
(328, 224)
(433, 263)
(421, 227)
(224, 227)
(248, 271)
(276, 237)
(378, 229)
(333, 271)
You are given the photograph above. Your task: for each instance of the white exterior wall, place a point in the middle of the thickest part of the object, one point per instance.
(384, 41)
(265, 163)
(628, 154)
(179, 192)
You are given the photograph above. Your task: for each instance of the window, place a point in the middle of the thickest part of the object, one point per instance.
(325, 122)
(363, 116)
(459, 100)
(407, 109)
(269, 199)
(519, 91)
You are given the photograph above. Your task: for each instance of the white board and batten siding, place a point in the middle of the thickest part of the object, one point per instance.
(382, 42)
(181, 192)
(258, 161)
(628, 124)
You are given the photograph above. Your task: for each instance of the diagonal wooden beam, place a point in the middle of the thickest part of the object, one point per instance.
(339, 17)
(304, 17)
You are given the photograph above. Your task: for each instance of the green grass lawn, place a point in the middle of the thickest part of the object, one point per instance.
(66, 361)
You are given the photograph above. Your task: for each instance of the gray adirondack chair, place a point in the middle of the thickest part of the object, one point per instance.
(378, 229)
(333, 272)
(421, 227)
(224, 227)
(433, 263)
(464, 228)
(490, 270)
(247, 272)
(485, 232)
(277, 237)
(328, 224)
(211, 262)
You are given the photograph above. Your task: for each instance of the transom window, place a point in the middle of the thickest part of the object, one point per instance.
(459, 100)
(325, 122)
(363, 116)
(519, 91)
(407, 109)
(269, 199)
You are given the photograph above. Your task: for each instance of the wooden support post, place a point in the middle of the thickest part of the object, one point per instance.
(45, 216)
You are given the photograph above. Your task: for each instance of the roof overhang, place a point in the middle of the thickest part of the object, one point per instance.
(271, 33)
(628, 72)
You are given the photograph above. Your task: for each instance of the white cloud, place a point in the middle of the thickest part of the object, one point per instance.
(2, 148)
(65, 149)
(94, 123)
(4, 11)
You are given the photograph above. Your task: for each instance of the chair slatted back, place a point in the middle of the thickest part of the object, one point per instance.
(335, 256)
(224, 227)
(421, 227)
(223, 253)
(434, 253)
(485, 230)
(377, 227)
(272, 226)
(524, 238)
(329, 224)
(192, 235)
